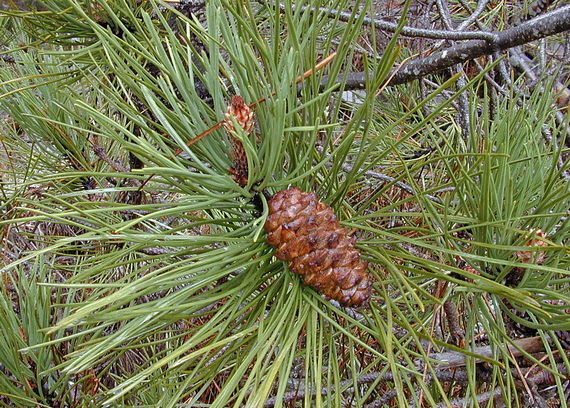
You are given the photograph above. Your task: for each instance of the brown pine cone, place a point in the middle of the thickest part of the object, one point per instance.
(244, 117)
(307, 234)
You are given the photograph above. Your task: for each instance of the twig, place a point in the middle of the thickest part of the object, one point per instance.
(490, 80)
(413, 250)
(348, 310)
(383, 400)
(444, 13)
(447, 373)
(392, 27)
(157, 251)
(186, 2)
(455, 359)
(453, 322)
(475, 15)
(546, 377)
(520, 62)
(495, 396)
(542, 378)
(298, 80)
(463, 101)
(98, 150)
(300, 393)
(523, 381)
(401, 185)
(443, 375)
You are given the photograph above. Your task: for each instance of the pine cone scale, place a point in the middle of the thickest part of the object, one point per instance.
(308, 236)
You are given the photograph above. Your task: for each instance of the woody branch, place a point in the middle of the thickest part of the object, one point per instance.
(554, 22)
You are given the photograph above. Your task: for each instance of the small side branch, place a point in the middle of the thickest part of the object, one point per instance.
(400, 184)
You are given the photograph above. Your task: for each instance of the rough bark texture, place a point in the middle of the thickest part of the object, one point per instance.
(307, 234)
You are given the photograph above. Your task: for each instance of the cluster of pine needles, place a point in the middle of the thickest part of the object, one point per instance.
(135, 269)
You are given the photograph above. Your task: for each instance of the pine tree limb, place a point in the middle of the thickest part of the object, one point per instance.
(554, 22)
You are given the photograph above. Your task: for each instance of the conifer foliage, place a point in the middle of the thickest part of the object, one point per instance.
(142, 265)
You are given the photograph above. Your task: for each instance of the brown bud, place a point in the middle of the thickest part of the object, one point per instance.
(534, 256)
(243, 115)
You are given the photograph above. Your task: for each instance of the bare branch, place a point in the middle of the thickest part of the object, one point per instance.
(457, 333)
(392, 27)
(100, 152)
(554, 22)
(463, 109)
(456, 359)
(495, 395)
(443, 373)
(542, 378)
(383, 400)
(388, 179)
